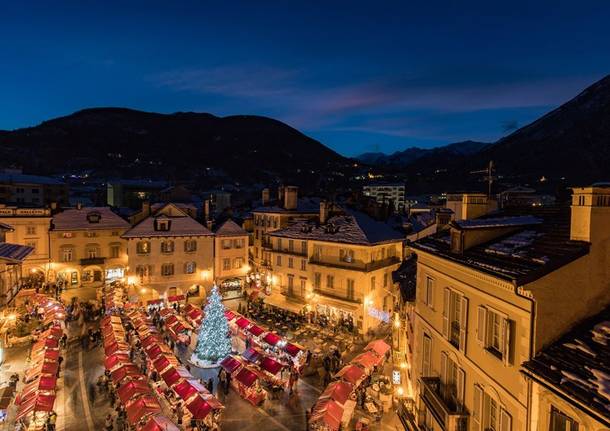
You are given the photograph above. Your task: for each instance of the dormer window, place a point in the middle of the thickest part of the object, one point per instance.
(162, 225)
(94, 217)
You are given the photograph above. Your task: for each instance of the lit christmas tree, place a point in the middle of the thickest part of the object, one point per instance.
(214, 341)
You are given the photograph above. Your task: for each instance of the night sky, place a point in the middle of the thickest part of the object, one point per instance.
(370, 76)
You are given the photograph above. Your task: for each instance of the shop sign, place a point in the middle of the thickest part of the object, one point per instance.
(396, 377)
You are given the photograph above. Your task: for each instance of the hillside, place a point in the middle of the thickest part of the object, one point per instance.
(412, 154)
(130, 143)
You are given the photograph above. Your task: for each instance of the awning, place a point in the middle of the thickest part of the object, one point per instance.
(163, 362)
(132, 389)
(175, 298)
(45, 355)
(154, 351)
(174, 374)
(351, 373)
(171, 319)
(158, 423)
(166, 311)
(42, 368)
(47, 343)
(368, 360)
(256, 330)
(187, 388)
(280, 301)
(44, 383)
(108, 319)
(126, 371)
(230, 315)
(242, 322)
(38, 403)
(292, 349)
(251, 354)
(150, 340)
(141, 407)
(199, 407)
(113, 361)
(271, 338)
(52, 332)
(230, 364)
(338, 391)
(116, 347)
(271, 365)
(378, 346)
(246, 377)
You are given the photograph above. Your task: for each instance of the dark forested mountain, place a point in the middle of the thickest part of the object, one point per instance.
(130, 143)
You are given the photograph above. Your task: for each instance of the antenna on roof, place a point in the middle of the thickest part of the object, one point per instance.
(489, 177)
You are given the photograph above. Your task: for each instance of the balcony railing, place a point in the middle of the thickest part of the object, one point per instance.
(335, 296)
(93, 261)
(355, 265)
(449, 415)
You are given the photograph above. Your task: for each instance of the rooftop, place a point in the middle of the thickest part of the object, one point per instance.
(578, 364)
(538, 243)
(178, 226)
(88, 218)
(4, 226)
(28, 179)
(304, 206)
(230, 228)
(15, 253)
(352, 228)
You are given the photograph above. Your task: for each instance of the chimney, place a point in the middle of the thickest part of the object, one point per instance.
(79, 206)
(145, 208)
(323, 212)
(590, 219)
(291, 196)
(209, 224)
(265, 196)
(280, 194)
(206, 210)
(442, 217)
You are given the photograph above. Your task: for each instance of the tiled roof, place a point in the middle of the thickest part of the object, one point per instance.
(77, 219)
(159, 205)
(532, 250)
(230, 228)
(353, 228)
(14, 252)
(28, 179)
(578, 364)
(304, 206)
(179, 226)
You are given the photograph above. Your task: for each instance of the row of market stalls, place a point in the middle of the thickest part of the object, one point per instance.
(37, 398)
(187, 390)
(115, 296)
(336, 404)
(143, 409)
(176, 326)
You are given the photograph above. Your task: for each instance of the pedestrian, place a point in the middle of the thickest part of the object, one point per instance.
(210, 385)
(112, 398)
(64, 340)
(60, 359)
(229, 377)
(51, 421)
(109, 423)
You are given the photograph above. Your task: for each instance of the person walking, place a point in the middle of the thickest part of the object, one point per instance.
(109, 423)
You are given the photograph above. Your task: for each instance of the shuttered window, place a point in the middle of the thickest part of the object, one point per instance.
(494, 333)
(455, 318)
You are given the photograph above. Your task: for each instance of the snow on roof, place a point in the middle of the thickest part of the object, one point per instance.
(178, 226)
(579, 363)
(14, 252)
(497, 222)
(88, 218)
(183, 206)
(353, 228)
(29, 179)
(230, 228)
(304, 205)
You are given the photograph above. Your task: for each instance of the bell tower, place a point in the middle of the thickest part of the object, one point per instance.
(591, 213)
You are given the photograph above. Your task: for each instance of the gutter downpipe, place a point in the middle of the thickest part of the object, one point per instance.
(531, 351)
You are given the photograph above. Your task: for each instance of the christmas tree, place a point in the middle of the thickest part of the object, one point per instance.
(214, 341)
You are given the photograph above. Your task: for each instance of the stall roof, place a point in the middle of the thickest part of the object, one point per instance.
(163, 362)
(378, 346)
(127, 370)
(256, 330)
(141, 407)
(292, 349)
(242, 322)
(246, 377)
(351, 373)
(251, 354)
(116, 347)
(329, 413)
(132, 389)
(272, 338)
(230, 364)
(338, 391)
(158, 423)
(368, 359)
(271, 365)
(187, 388)
(110, 362)
(199, 407)
(230, 315)
(174, 374)
(38, 403)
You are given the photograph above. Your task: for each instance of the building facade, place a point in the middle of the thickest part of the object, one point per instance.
(170, 253)
(86, 247)
(11, 259)
(491, 293)
(385, 193)
(35, 190)
(230, 258)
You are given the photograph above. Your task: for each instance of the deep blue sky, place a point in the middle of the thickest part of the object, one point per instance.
(359, 76)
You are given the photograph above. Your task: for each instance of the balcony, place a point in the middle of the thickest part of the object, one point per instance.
(449, 415)
(355, 265)
(335, 296)
(93, 261)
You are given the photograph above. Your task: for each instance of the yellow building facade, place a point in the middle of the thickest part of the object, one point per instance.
(230, 257)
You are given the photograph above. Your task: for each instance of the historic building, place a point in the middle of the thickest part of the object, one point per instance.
(386, 193)
(20, 189)
(339, 266)
(494, 291)
(12, 257)
(271, 216)
(30, 227)
(170, 253)
(86, 246)
(230, 258)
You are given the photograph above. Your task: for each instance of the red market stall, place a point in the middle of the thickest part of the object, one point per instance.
(45, 384)
(176, 298)
(158, 423)
(272, 339)
(248, 386)
(230, 315)
(338, 391)
(127, 371)
(270, 365)
(292, 349)
(380, 347)
(256, 330)
(187, 388)
(230, 364)
(140, 408)
(252, 355)
(326, 416)
(368, 360)
(49, 368)
(351, 374)
(243, 323)
(164, 362)
(37, 403)
(115, 361)
(117, 347)
(174, 374)
(132, 389)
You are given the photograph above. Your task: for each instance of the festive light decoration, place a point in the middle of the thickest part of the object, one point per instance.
(214, 342)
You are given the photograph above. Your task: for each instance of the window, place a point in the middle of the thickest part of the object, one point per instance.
(190, 245)
(167, 269)
(426, 356)
(161, 225)
(304, 247)
(317, 280)
(428, 296)
(238, 243)
(167, 246)
(35, 191)
(346, 255)
(303, 286)
(317, 252)
(67, 254)
(226, 244)
(92, 252)
(350, 288)
(278, 260)
(373, 282)
(290, 245)
(279, 243)
(90, 234)
(489, 413)
(303, 265)
(226, 264)
(238, 262)
(30, 230)
(143, 247)
(290, 262)
(115, 250)
(452, 380)
(561, 422)
(494, 333)
(190, 267)
(290, 284)
(385, 280)
(143, 271)
(330, 282)
(455, 314)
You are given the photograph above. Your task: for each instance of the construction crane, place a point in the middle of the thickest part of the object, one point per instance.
(489, 176)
